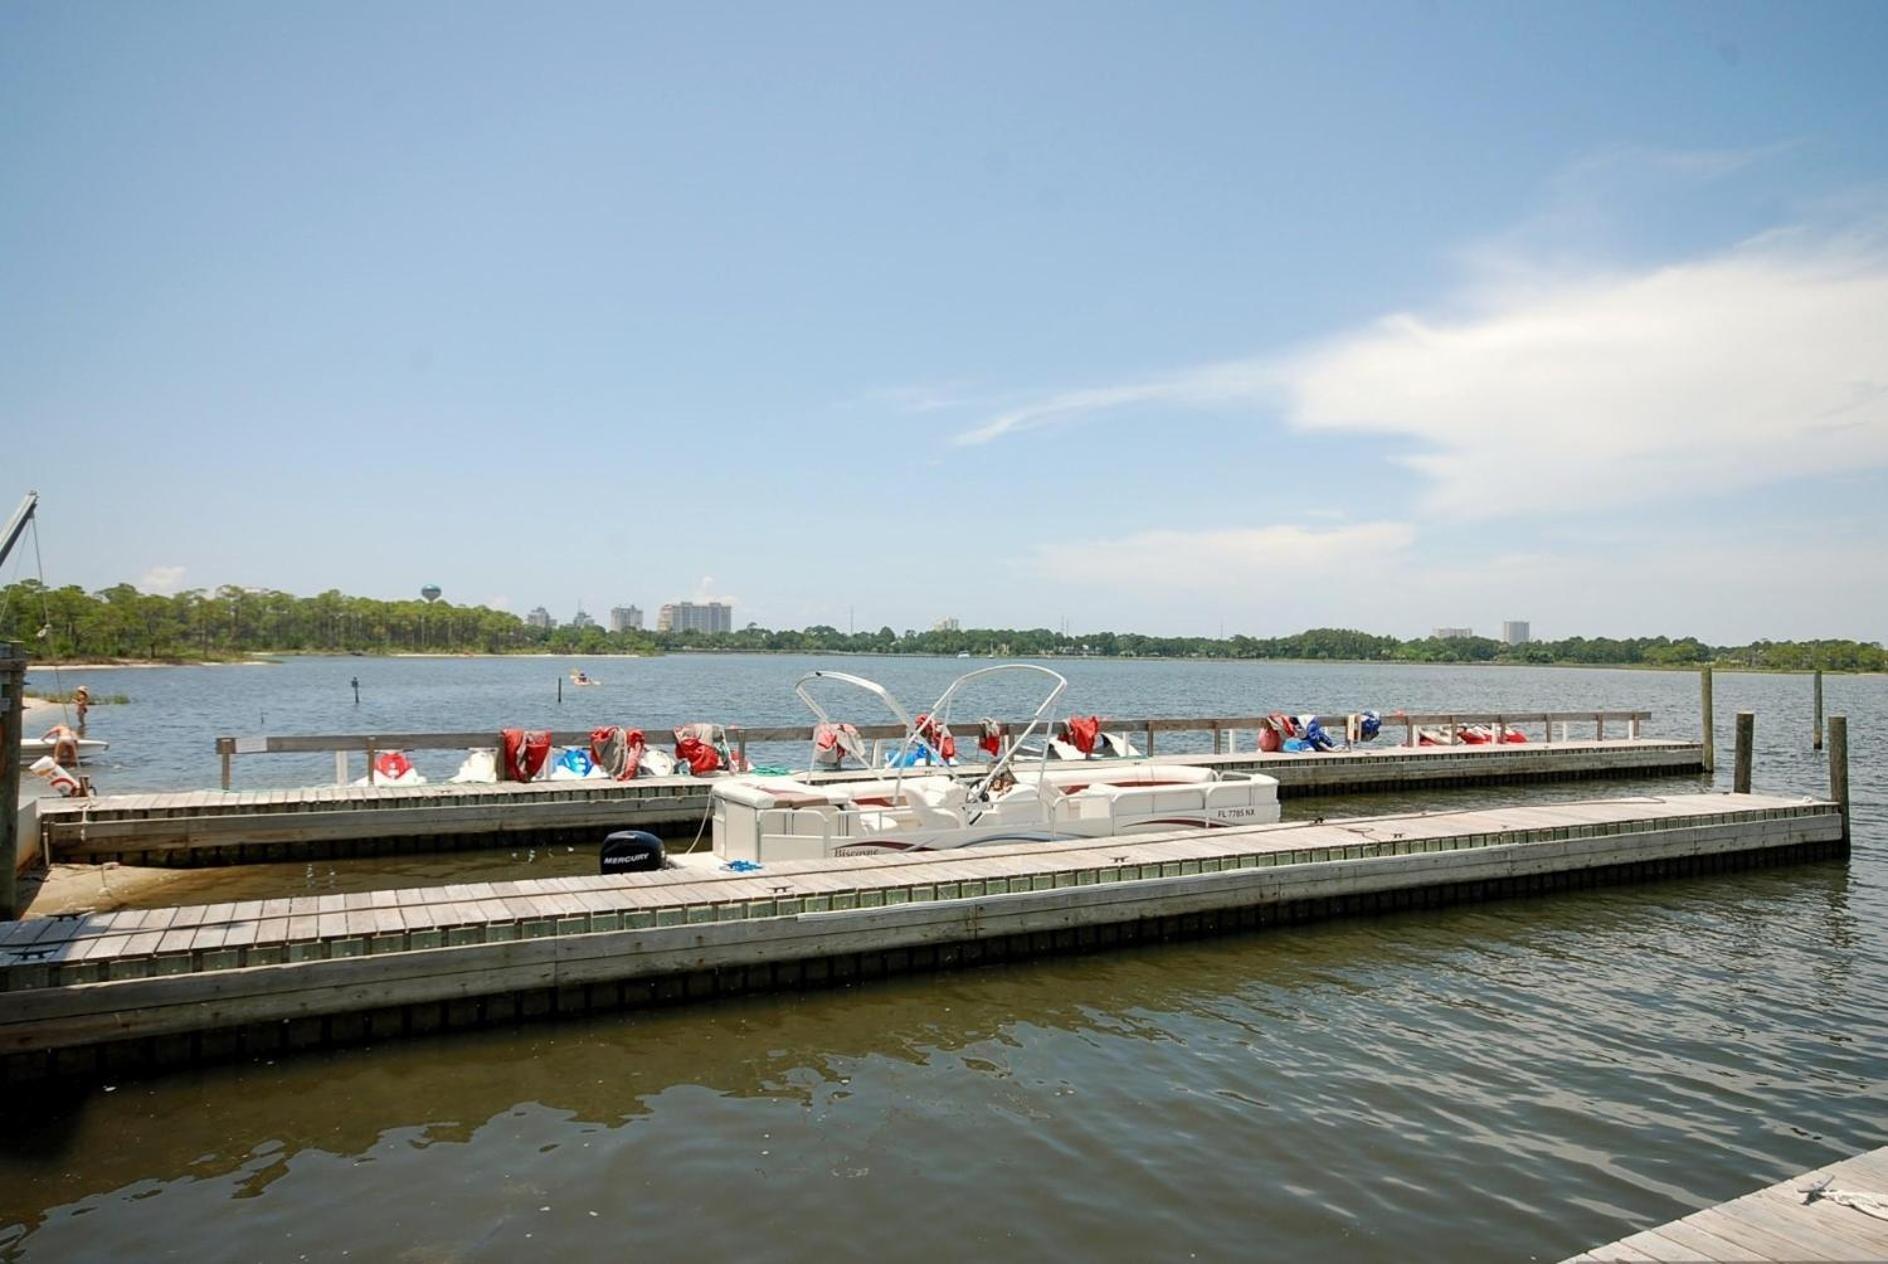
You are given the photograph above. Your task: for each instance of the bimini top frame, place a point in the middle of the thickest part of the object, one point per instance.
(940, 714)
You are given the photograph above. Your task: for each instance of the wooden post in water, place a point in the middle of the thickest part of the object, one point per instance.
(1746, 732)
(1704, 703)
(1815, 739)
(560, 690)
(1839, 771)
(12, 721)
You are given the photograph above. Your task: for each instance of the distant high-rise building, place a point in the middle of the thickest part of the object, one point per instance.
(539, 618)
(688, 616)
(946, 625)
(626, 619)
(1450, 634)
(582, 619)
(1514, 632)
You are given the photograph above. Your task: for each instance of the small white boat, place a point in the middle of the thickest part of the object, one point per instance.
(34, 747)
(783, 818)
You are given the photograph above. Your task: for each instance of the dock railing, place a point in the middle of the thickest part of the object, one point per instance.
(1225, 731)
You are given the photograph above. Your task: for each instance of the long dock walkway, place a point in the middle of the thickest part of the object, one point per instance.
(85, 993)
(212, 826)
(1838, 1212)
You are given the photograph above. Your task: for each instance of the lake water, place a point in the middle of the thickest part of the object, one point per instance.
(1509, 1081)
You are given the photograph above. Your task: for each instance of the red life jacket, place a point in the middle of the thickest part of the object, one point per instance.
(938, 736)
(833, 742)
(693, 748)
(391, 765)
(618, 751)
(991, 738)
(1083, 731)
(522, 752)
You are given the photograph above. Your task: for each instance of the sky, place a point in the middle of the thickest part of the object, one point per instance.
(1170, 318)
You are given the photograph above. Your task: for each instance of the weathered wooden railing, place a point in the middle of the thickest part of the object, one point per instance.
(1225, 731)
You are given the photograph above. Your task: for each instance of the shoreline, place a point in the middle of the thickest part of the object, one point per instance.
(272, 659)
(139, 664)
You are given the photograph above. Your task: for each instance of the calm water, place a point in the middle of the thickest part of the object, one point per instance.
(1511, 1081)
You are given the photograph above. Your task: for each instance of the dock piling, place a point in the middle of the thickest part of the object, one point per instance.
(1704, 705)
(1746, 734)
(12, 721)
(1815, 736)
(1839, 771)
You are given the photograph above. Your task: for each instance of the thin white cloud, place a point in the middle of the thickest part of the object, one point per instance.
(1763, 362)
(920, 397)
(162, 580)
(1695, 378)
(705, 592)
(1228, 560)
(1207, 386)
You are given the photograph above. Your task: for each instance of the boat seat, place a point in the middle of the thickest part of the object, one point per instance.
(936, 802)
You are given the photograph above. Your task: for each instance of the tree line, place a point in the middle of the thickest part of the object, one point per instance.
(121, 622)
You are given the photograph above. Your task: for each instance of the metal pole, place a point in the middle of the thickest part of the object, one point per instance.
(1709, 741)
(12, 721)
(1839, 771)
(17, 524)
(1815, 738)
(1746, 733)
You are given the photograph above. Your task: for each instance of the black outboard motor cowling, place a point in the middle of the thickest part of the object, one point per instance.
(630, 851)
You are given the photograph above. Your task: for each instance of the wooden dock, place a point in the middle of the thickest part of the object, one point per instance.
(83, 994)
(1838, 1212)
(220, 827)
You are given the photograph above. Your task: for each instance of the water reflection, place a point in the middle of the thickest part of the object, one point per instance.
(1542, 1067)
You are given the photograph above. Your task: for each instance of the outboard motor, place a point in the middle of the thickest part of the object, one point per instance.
(630, 851)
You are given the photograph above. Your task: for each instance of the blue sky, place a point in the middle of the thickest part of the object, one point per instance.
(1165, 318)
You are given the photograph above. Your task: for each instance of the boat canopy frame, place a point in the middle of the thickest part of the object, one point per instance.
(939, 714)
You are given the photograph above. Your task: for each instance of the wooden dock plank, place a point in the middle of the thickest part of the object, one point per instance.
(1780, 1222)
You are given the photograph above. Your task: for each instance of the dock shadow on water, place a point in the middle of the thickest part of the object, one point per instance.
(1513, 1079)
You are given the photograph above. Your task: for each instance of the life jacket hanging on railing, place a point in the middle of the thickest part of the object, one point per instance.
(522, 752)
(699, 747)
(937, 737)
(1314, 736)
(1082, 732)
(990, 737)
(833, 743)
(1278, 729)
(618, 751)
(392, 766)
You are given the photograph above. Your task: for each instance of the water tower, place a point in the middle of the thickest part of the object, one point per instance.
(431, 593)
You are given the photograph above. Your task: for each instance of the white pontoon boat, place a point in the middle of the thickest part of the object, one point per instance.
(782, 818)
